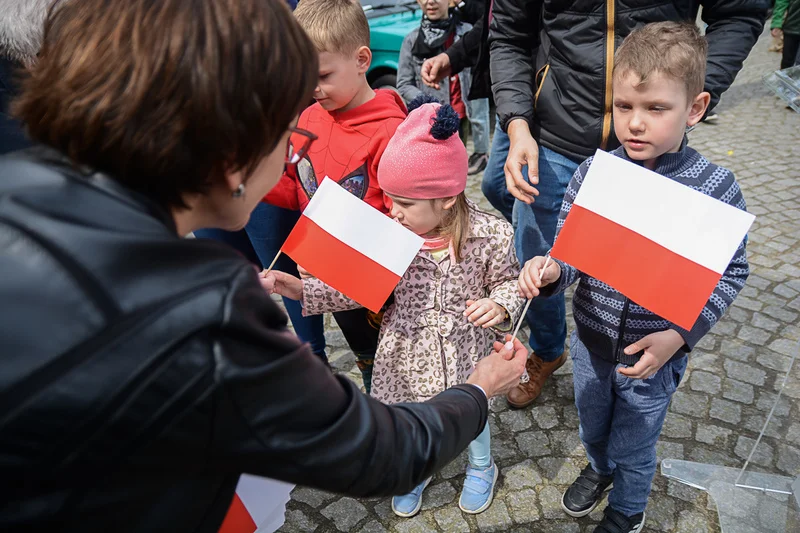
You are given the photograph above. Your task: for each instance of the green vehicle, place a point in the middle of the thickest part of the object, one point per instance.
(389, 22)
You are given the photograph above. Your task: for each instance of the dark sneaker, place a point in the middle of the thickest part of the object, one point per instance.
(585, 492)
(477, 163)
(616, 522)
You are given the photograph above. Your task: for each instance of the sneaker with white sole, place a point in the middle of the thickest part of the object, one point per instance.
(616, 522)
(585, 492)
(478, 491)
(409, 504)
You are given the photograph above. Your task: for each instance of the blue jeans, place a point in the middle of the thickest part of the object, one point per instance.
(259, 242)
(493, 184)
(479, 122)
(534, 232)
(620, 421)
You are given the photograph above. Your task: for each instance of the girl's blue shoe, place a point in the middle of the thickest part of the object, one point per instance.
(409, 504)
(478, 491)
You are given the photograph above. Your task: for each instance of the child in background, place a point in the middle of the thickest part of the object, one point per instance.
(459, 290)
(439, 29)
(352, 125)
(627, 361)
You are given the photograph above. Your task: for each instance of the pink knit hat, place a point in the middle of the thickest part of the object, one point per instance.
(425, 159)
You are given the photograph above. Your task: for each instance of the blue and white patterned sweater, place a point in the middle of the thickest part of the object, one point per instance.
(603, 315)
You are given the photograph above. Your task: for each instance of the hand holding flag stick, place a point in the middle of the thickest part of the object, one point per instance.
(510, 344)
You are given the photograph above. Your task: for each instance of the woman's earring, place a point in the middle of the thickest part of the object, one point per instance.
(239, 192)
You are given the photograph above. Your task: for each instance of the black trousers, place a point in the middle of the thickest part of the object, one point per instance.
(791, 50)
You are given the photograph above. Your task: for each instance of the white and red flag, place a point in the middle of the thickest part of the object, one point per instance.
(660, 243)
(259, 506)
(351, 246)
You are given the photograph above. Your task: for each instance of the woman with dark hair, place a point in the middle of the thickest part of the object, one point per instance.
(143, 372)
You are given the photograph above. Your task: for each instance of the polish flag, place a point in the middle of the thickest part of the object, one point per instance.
(259, 505)
(351, 246)
(662, 244)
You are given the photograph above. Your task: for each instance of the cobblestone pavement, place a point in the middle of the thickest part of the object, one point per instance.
(721, 404)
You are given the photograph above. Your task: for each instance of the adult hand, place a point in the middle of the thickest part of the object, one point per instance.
(658, 349)
(500, 371)
(777, 33)
(529, 280)
(435, 69)
(522, 151)
(276, 282)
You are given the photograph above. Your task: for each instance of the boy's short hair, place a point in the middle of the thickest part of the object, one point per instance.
(674, 49)
(336, 26)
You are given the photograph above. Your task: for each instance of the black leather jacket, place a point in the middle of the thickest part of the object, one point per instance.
(562, 86)
(142, 373)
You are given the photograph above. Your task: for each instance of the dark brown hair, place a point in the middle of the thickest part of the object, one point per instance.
(675, 49)
(336, 26)
(167, 96)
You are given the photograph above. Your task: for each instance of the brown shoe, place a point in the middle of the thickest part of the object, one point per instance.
(538, 371)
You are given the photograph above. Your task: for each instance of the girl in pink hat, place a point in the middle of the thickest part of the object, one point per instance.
(457, 296)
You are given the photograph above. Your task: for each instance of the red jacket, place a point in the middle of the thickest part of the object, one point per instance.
(348, 150)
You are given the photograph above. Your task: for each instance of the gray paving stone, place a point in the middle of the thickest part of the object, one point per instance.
(745, 372)
(714, 435)
(561, 526)
(755, 423)
(753, 335)
(677, 426)
(384, 509)
(545, 417)
(438, 495)
(784, 346)
(705, 382)
(422, 523)
(789, 459)
(495, 518)
(566, 443)
(312, 497)
(793, 433)
(559, 470)
(761, 321)
(692, 404)
(373, 527)
(550, 499)
(522, 475)
(764, 453)
(692, 522)
(522, 506)
(682, 491)
(668, 450)
(702, 454)
(661, 514)
(735, 349)
(451, 519)
(767, 399)
(297, 521)
(345, 513)
(533, 443)
(738, 391)
(516, 420)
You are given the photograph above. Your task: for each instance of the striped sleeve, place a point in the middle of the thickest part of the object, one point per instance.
(732, 280)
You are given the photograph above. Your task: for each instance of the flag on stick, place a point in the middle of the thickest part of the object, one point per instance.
(660, 243)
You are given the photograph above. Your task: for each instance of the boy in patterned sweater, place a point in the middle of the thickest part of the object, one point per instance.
(627, 361)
